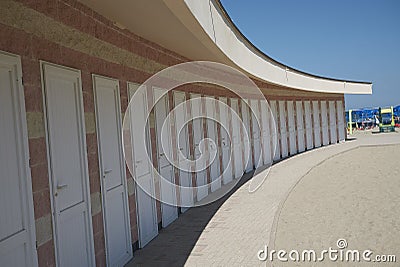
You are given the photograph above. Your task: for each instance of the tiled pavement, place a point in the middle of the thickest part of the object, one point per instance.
(233, 229)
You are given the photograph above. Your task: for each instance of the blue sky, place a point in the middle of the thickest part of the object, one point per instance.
(348, 39)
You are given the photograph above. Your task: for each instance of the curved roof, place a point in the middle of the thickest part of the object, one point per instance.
(202, 30)
(267, 57)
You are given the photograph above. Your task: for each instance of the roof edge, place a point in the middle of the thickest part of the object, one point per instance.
(264, 55)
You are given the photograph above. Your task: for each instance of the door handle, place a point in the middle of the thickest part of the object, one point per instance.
(106, 171)
(138, 161)
(61, 186)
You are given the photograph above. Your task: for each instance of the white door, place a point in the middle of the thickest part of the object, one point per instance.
(199, 149)
(341, 127)
(316, 124)
(300, 126)
(213, 150)
(266, 133)
(292, 128)
(309, 125)
(332, 122)
(169, 209)
(247, 136)
(325, 125)
(225, 140)
(68, 166)
(256, 120)
(275, 131)
(284, 133)
(17, 233)
(185, 181)
(145, 202)
(236, 139)
(112, 171)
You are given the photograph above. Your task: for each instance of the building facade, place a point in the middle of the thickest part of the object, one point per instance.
(68, 70)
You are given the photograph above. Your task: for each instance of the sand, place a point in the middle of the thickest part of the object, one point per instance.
(354, 195)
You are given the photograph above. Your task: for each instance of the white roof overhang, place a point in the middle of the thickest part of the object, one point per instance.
(202, 30)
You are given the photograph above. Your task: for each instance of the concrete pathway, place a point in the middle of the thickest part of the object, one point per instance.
(233, 229)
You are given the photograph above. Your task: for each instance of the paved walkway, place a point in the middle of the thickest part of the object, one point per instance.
(232, 230)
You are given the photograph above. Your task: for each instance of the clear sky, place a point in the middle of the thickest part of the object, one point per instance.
(348, 39)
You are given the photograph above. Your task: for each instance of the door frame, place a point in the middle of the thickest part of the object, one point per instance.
(27, 195)
(308, 119)
(316, 121)
(332, 122)
(84, 159)
(238, 167)
(340, 121)
(175, 95)
(154, 206)
(246, 109)
(292, 128)
(167, 106)
(201, 113)
(324, 111)
(123, 172)
(275, 133)
(209, 99)
(256, 128)
(300, 120)
(265, 132)
(283, 116)
(227, 174)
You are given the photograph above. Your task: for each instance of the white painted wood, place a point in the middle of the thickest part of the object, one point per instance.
(266, 132)
(300, 126)
(185, 180)
(169, 209)
(236, 139)
(275, 133)
(292, 128)
(284, 131)
(17, 232)
(225, 141)
(256, 132)
(332, 122)
(213, 149)
(112, 171)
(325, 125)
(309, 125)
(341, 123)
(247, 136)
(144, 181)
(68, 171)
(316, 124)
(198, 136)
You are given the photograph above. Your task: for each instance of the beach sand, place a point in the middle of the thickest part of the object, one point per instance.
(353, 196)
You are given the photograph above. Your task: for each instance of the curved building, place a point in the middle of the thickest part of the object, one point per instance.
(68, 69)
